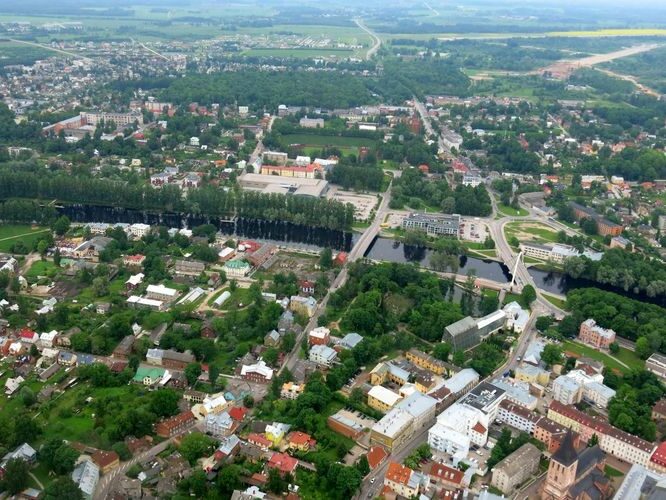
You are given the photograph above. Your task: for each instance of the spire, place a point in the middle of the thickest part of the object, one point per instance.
(566, 454)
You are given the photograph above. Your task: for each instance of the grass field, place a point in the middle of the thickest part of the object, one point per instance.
(10, 234)
(627, 357)
(512, 212)
(555, 301)
(41, 268)
(530, 231)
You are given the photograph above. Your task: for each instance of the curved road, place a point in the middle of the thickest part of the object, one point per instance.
(377, 42)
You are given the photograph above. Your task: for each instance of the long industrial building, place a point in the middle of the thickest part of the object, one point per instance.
(297, 186)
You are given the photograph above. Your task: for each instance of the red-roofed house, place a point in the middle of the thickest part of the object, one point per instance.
(442, 476)
(307, 287)
(340, 259)
(27, 335)
(658, 459)
(174, 425)
(300, 441)
(134, 260)
(400, 480)
(258, 440)
(238, 413)
(282, 462)
(376, 456)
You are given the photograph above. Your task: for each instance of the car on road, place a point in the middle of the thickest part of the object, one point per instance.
(372, 481)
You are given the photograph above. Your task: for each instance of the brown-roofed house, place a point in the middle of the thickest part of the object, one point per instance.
(106, 460)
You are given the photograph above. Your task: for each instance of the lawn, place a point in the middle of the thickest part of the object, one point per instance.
(628, 357)
(41, 268)
(239, 298)
(531, 231)
(554, 300)
(611, 472)
(10, 234)
(512, 212)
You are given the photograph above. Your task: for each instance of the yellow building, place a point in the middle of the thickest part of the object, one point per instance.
(388, 372)
(382, 399)
(276, 432)
(532, 375)
(426, 361)
(312, 171)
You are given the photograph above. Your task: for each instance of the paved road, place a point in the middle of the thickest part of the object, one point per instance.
(108, 480)
(376, 41)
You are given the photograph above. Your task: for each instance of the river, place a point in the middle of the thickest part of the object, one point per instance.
(278, 232)
(386, 249)
(560, 283)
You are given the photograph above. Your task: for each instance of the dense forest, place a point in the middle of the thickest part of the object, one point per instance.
(621, 269)
(414, 190)
(204, 201)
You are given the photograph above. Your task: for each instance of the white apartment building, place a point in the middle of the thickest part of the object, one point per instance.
(322, 355)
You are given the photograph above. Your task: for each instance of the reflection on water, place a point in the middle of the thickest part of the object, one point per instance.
(276, 231)
(394, 251)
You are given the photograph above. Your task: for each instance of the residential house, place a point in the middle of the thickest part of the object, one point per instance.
(175, 425)
(86, 477)
(105, 460)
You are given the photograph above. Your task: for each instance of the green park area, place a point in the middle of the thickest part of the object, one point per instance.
(624, 361)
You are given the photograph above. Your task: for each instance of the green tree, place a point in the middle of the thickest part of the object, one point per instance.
(528, 295)
(228, 479)
(459, 358)
(326, 258)
(442, 351)
(164, 402)
(362, 466)
(61, 225)
(192, 372)
(614, 348)
(16, 476)
(194, 446)
(100, 287)
(61, 488)
(594, 440)
(42, 247)
(276, 483)
(643, 349)
(551, 354)
(543, 323)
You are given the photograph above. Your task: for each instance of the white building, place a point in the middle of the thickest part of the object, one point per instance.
(139, 230)
(516, 317)
(566, 390)
(322, 355)
(86, 477)
(219, 425)
(161, 292)
(46, 339)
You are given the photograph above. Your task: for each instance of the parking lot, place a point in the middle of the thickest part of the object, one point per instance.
(363, 203)
(473, 229)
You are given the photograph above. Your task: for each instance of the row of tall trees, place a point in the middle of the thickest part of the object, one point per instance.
(204, 201)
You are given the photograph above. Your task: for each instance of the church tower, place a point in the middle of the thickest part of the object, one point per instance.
(561, 470)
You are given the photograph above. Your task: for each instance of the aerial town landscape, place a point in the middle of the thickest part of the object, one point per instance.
(289, 249)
